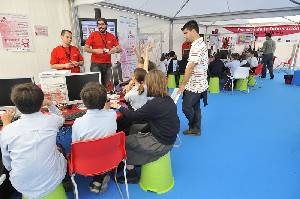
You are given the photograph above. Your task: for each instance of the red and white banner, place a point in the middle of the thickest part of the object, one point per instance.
(262, 30)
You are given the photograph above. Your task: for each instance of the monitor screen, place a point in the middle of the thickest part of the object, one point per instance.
(76, 82)
(87, 26)
(6, 86)
(224, 54)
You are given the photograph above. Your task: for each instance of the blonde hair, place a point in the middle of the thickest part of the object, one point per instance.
(156, 84)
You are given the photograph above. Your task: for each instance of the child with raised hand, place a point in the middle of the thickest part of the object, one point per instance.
(136, 94)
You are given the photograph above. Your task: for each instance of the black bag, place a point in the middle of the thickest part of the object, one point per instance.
(288, 79)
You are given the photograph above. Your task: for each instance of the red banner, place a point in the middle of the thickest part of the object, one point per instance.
(262, 30)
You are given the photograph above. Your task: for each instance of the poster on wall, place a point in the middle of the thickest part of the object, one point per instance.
(14, 33)
(127, 39)
(41, 30)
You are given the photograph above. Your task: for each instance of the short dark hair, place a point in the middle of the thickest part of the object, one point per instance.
(93, 95)
(64, 31)
(28, 97)
(172, 53)
(102, 19)
(190, 25)
(268, 34)
(217, 56)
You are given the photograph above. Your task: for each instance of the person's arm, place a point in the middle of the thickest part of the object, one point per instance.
(263, 48)
(274, 46)
(53, 109)
(6, 160)
(62, 66)
(88, 49)
(188, 72)
(8, 116)
(116, 49)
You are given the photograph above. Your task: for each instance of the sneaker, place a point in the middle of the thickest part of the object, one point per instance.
(132, 177)
(95, 187)
(104, 185)
(68, 185)
(272, 77)
(99, 187)
(192, 132)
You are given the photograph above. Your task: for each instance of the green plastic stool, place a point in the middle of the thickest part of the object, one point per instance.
(58, 193)
(214, 85)
(242, 85)
(181, 79)
(157, 176)
(171, 81)
(251, 80)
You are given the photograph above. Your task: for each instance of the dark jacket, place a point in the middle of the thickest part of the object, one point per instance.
(161, 114)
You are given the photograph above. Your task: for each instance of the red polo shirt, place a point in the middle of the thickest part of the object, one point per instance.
(63, 55)
(97, 40)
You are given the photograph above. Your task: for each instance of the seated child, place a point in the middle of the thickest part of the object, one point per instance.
(98, 122)
(136, 94)
(28, 145)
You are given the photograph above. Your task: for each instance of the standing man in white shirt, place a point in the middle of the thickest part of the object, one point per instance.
(194, 85)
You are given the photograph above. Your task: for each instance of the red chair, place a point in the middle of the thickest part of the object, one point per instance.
(93, 157)
(257, 72)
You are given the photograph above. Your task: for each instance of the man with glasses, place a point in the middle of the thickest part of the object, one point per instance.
(102, 44)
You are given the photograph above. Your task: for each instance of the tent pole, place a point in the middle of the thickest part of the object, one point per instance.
(171, 35)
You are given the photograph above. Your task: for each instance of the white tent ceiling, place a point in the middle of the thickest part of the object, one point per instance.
(204, 10)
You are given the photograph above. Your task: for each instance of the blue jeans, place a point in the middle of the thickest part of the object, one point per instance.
(268, 63)
(191, 109)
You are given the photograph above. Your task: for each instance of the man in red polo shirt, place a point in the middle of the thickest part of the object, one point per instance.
(66, 56)
(102, 44)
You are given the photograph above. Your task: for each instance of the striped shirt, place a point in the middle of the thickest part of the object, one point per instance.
(198, 55)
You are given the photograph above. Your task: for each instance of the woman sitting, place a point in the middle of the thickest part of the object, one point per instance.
(160, 112)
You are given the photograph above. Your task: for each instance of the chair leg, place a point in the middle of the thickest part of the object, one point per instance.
(117, 184)
(126, 184)
(179, 140)
(75, 193)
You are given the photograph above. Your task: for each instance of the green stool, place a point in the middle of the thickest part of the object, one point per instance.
(157, 176)
(242, 85)
(58, 193)
(171, 81)
(214, 85)
(251, 80)
(181, 79)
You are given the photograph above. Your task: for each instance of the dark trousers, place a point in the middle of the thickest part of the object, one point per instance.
(104, 69)
(191, 109)
(268, 63)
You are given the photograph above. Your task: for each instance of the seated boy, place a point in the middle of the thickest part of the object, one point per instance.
(28, 145)
(98, 122)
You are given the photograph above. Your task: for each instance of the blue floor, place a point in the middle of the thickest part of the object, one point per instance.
(249, 149)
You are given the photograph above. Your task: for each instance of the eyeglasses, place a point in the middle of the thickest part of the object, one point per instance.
(101, 24)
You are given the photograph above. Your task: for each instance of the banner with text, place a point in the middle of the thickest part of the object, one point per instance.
(14, 32)
(127, 37)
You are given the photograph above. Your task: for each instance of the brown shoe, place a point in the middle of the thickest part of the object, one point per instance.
(192, 132)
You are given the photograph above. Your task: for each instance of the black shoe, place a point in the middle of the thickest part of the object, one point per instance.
(263, 77)
(132, 177)
(68, 185)
(272, 77)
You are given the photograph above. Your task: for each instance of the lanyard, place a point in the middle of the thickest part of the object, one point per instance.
(68, 55)
(104, 41)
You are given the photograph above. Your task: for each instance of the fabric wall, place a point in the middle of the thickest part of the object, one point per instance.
(54, 14)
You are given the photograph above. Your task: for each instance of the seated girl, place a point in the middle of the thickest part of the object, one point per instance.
(161, 114)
